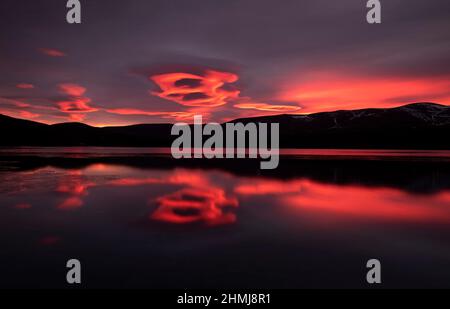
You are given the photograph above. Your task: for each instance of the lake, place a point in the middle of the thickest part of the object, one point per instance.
(137, 218)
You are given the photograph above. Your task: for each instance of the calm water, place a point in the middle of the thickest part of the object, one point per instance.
(308, 225)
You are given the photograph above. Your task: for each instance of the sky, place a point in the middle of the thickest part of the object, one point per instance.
(159, 61)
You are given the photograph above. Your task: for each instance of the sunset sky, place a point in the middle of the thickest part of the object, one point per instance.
(145, 61)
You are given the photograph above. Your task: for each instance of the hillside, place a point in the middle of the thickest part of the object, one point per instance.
(414, 126)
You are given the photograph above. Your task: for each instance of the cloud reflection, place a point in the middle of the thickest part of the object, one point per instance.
(191, 205)
(188, 196)
(76, 187)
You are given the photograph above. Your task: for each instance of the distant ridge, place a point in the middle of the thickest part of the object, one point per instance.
(413, 126)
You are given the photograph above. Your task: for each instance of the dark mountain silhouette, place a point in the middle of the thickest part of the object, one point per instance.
(413, 126)
(417, 125)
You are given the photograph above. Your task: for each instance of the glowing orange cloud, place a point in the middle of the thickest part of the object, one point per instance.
(14, 102)
(52, 52)
(132, 111)
(268, 107)
(139, 112)
(72, 89)
(330, 91)
(196, 90)
(13, 112)
(77, 117)
(76, 104)
(28, 115)
(25, 86)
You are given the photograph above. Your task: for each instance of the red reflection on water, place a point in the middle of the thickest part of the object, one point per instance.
(266, 187)
(380, 203)
(76, 187)
(129, 182)
(190, 177)
(23, 206)
(201, 196)
(177, 177)
(351, 200)
(200, 200)
(196, 205)
(71, 203)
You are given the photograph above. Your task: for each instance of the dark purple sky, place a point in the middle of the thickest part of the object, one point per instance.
(165, 60)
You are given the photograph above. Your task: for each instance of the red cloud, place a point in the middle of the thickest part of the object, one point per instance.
(72, 89)
(77, 117)
(332, 91)
(52, 52)
(139, 112)
(25, 86)
(196, 90)
(29, 115)
(14, 102)
(13, 112)
(268, 107)
(76, 104)
(132, 111)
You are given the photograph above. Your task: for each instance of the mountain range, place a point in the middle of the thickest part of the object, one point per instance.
(412, 126)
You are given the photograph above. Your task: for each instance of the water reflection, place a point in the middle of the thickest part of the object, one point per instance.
(74, 187)
(353, 200)
(211, 198)
(198, 201)
(192, 204)
(374, 203)
(171, 225)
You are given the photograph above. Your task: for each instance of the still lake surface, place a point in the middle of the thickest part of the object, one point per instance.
(315, 222)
